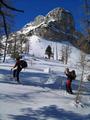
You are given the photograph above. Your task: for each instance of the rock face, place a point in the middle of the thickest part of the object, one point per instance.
(58, 24)
(63, 19)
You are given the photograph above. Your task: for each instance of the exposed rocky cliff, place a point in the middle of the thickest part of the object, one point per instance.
(58, 24)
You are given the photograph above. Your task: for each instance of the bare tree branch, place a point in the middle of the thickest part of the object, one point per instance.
(5, 27)
(9, 7)
(4, 22)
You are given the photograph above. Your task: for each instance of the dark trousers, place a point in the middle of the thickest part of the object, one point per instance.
(68, 87)
(16, 73)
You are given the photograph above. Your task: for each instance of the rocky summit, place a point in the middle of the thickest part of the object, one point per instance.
(58, 24)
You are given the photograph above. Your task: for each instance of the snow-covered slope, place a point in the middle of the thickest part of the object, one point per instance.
(39, 45)
(41, 95)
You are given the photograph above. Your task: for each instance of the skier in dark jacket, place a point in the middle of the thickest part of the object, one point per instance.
(71, 75)
(16, 69)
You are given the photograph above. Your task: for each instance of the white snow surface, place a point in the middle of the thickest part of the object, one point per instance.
(39, 45)
(41, 94)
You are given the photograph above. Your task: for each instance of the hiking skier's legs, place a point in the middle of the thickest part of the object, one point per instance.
(14, 73)
(68, 87)
(17, 74)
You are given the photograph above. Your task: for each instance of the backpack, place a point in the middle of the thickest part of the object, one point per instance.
(73, 74)
(23, 63)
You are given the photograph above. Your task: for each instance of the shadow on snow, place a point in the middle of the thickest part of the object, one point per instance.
(38, 79)
(48, 113)
(35, 79)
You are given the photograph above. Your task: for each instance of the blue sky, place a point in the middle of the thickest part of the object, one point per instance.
(33, 8)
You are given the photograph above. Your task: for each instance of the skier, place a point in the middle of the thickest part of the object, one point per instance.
(71, 75)
(16, 69)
